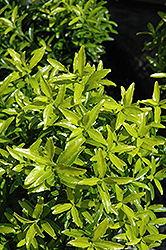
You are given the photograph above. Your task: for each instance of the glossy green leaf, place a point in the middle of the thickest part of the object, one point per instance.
(101, 163)
(105, 197)
(60, 208)
(50, 148)
(30, 235)
(132, 197)
(74, 20)
(48, 228)
(57, 65)
(130, 130)
(38, 208)
(119, 193)
(68, 170)
(22, 219)
(129, 212)
(81, 60)
(118, 180)
(38, 176)
(93, 114)
(70, 116)
(101, 229)
(159, 221)
(158, 185)
(102, 244)
(6, 228)
(37, 56)
(38, 230)
(73, 232)
(76, 217)
(156, 93)
(73, 148)
(154, 237)
(78, 89)
(96, 135)
(143, 226)
(117, 162)
(26, 206)
(32, 155)
(82, 242)
(89, 181)
(45, 87)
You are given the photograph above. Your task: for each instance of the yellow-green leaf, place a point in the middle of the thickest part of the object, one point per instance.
(60, 208)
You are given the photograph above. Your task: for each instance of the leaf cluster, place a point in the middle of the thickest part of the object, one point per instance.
(80, 165)
(61, 26)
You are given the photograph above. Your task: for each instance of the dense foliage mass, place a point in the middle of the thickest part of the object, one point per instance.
(62, 26)
(84, 164)
(79, 169)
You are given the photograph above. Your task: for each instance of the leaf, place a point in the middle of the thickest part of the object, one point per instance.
(72, 150)
(76, 217)
(37, 56)
(132, 197)
(93, 114)
(158, 75)
(49, 148)
(30, 235)
(154, 237)
(130, 130)
(101, 229)
(81, 60)
(22, 219)
(89, 181)
(68, 170)
(5, 124)
(6, 228)
(158, 185)
(60, 208)
(74, 20)
(156, 93)
(118, 180)
(37, 176)
(105, 197)
(101, 163)
(32, 155)
(70, 116)
(26, 206)
(117, 162)
(108, 245)
(159, 221)
(15, 55)
(78, 89)
(82, 242)
(96, 135)
(45, 87)
(129, 95)
(73, 232)
(38, 208)
(119, 193)
(57, 65)
(48, 228)
(129, 212)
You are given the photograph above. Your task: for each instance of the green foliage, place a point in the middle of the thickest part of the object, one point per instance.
(61, 27)
(78, 168)
(157, 45)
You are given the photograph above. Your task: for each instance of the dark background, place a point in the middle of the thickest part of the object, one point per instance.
(124, 55)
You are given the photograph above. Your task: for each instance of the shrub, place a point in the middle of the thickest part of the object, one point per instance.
(78, 168)
(158, 49)
(61, 26)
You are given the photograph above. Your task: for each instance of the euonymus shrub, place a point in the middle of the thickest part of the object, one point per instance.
(78, 168)
(61, 26)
